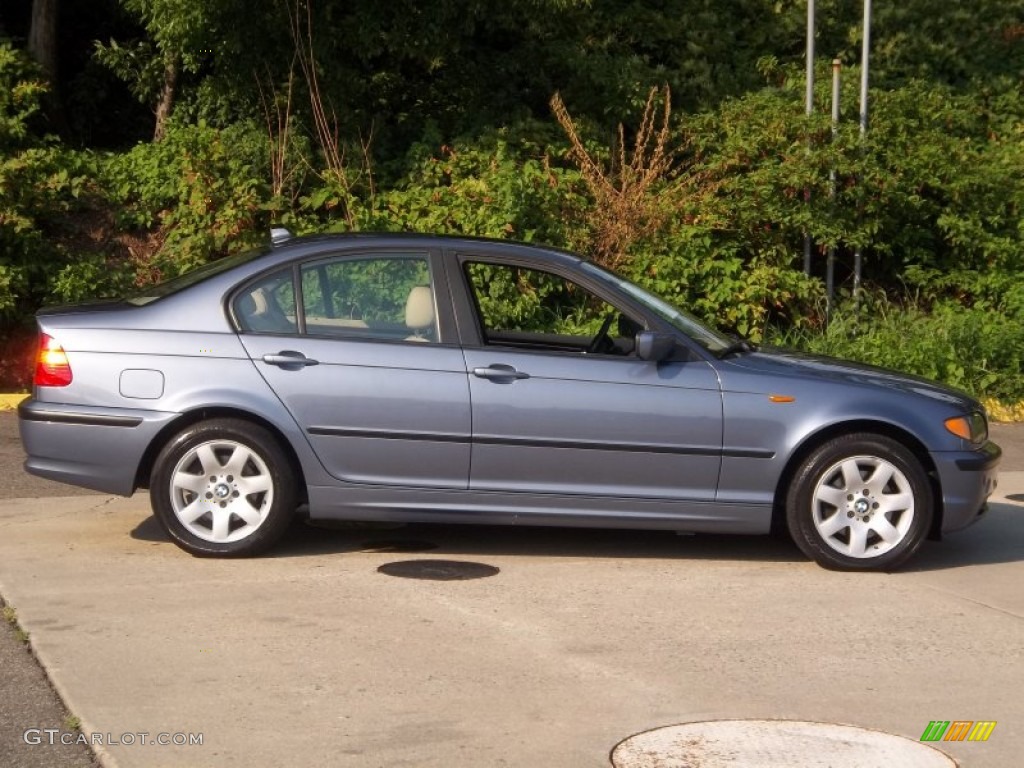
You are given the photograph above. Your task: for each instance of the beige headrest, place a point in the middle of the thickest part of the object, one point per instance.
(419, 308)
(259, 302)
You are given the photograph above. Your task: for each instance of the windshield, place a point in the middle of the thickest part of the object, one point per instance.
(175, 284)
(713, 341)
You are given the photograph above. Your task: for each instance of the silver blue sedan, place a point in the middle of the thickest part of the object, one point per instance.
(433, 379)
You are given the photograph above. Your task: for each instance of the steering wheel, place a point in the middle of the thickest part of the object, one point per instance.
(602, 341)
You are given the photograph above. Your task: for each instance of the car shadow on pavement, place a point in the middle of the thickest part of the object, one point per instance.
(996, 538)
(304, 539)
(534, 541)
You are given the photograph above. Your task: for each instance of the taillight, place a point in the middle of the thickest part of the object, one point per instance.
(52, 366)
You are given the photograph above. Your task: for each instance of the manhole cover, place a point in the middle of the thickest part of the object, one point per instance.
(398, 546)
(438, 570)
(773, 744)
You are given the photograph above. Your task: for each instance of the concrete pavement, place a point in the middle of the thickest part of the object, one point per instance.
(311, 657)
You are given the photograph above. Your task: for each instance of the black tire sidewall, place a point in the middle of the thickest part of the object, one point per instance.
(257, 439)
(799, 501)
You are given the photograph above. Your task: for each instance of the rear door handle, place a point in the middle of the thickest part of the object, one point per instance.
(289, 359)
(499, 372)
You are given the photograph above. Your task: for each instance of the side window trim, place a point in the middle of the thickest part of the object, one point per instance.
(300, 304)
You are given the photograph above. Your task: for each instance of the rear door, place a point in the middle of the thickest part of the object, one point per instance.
(360, 356)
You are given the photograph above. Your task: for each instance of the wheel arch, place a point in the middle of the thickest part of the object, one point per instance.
(188, 418)
(816, 439)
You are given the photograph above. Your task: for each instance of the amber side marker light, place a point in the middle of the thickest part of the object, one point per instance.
(781, 399)
(961, 427)
(52, 366)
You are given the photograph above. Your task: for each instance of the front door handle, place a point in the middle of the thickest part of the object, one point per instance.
(289, 359)
(499, 372)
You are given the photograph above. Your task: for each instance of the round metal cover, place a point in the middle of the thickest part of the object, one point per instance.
(438, 570)
(773, 744)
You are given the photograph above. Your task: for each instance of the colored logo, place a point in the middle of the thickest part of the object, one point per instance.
(958, 730)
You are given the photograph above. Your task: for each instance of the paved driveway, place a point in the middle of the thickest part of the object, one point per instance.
(312, 657)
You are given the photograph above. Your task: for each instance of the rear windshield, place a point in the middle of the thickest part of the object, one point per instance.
(197, 275)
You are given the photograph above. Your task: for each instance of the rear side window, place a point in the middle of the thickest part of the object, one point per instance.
(268, 306)
(382, 297)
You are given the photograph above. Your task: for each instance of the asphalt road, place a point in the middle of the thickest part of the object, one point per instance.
(15, 483)
(26, 698)
(309, 563)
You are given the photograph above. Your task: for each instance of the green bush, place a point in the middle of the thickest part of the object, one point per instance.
(203, 189)
(977, 349)
(502, 185)
(43, 186)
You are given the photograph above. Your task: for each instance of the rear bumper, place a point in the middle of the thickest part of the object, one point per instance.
(967, 479)
(88, 446)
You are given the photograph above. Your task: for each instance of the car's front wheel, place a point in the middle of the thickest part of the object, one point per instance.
(222, 488)
(860, 502)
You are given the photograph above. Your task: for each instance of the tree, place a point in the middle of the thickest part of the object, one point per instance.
(42, 37)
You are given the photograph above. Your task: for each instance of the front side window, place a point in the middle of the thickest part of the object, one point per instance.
(530, 308)
(709, 338)
(382, 297)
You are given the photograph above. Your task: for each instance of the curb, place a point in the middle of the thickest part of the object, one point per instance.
(11, 402)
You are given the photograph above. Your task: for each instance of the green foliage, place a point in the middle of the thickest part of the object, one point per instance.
(42, 187)
(21, 90)
(515, 299)
(501, 185)
(726, 290)
(439, 112)
(371, 290)
(136, 63)
(978, 349)
(201, 188)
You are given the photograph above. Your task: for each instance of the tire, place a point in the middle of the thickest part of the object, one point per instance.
(860, 502)
(223, 488)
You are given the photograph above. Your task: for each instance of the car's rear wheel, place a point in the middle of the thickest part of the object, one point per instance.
(222, 488)
(860, 502)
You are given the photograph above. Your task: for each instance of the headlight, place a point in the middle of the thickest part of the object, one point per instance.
(973, 428)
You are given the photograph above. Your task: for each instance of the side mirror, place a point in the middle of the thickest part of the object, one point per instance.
(654, 346)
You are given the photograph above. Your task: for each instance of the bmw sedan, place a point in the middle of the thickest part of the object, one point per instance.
(455, 380)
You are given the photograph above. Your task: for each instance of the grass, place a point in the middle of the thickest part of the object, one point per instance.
(11, 617)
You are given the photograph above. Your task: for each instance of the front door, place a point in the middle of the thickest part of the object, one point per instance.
(561, 404)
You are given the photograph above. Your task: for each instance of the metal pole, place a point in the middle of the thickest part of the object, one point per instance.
(809, 104)
(830, 272)
(809, 93)
(865, 54)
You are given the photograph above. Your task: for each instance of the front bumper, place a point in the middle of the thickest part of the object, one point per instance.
(967, 479)
(88, 446)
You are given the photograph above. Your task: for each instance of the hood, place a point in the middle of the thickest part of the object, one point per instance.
(781, 362)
